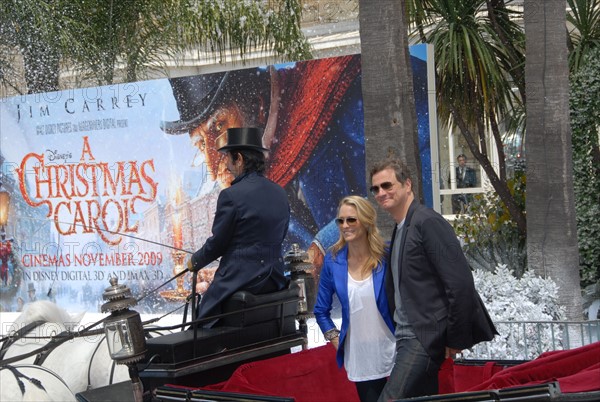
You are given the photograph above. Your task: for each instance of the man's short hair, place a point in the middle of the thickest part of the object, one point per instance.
(254, 160)
(462, 156)
(401, 170)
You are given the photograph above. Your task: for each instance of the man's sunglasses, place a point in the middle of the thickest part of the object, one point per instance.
(384, 186)
(349, 221)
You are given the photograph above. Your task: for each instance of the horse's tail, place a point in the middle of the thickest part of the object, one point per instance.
(47, 311)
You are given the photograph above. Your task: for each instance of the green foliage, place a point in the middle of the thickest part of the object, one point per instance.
(110, 41)
(472, 61)
(490, 236)
(244, 25)
(584, 30)
(479, 60)
(585, 127)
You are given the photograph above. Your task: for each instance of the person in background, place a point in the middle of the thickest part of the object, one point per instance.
(250, 224)
(31, 292)
(354, 270)
(465, 178)
(429, 285)
(20, 304)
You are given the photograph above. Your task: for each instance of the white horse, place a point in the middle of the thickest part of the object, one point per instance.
(82, 363)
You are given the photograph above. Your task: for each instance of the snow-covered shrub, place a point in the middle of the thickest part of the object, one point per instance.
(514, 300)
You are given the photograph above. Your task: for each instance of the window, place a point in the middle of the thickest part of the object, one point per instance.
(459, 174)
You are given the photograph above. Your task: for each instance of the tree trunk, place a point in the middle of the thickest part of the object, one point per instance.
(387, 85)
(551, 228)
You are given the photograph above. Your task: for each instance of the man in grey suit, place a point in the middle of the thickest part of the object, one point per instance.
(250, 224)
(437, 311)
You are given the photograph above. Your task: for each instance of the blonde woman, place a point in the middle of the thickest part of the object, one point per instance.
(354, 269)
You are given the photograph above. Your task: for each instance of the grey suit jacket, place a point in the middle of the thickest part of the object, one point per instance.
(436, 286)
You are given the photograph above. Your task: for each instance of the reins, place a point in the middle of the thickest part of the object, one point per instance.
(18, 375)
(56, 340)
(112, 367)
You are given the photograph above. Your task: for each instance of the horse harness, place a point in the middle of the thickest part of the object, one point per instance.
(23, 331)
(112, 369)
(19, 376)
(18, 334)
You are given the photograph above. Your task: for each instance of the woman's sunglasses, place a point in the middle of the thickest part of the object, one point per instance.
(384, 186)
(349, 221)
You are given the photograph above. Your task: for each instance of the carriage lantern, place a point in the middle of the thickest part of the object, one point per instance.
(123, 328)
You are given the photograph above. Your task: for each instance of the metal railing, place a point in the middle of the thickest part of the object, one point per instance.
(525, 340)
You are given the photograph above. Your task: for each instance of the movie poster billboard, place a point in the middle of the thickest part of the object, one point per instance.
(122, 180)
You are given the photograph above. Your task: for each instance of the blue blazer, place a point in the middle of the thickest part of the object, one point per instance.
(334, 279)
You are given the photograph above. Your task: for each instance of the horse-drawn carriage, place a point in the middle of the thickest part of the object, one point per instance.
(43, 345)
(252, 327)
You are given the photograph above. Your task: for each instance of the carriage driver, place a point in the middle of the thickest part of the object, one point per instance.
(251, 221)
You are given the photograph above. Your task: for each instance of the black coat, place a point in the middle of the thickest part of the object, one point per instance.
(468, 180)
(436, 286)
(250, 224)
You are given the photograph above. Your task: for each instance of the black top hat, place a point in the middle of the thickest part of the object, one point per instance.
(194, 96)
(244, 137)
(197, 96)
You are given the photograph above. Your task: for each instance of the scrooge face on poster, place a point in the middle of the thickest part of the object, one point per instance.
(122, 180)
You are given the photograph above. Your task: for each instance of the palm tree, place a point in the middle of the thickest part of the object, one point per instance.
(99, 38)
(552, 249)
(479, 52)
(478, 47)
(389, 107)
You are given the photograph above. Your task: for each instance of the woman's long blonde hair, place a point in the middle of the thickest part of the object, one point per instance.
(367, 216)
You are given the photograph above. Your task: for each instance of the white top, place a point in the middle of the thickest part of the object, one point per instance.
(370, 346)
